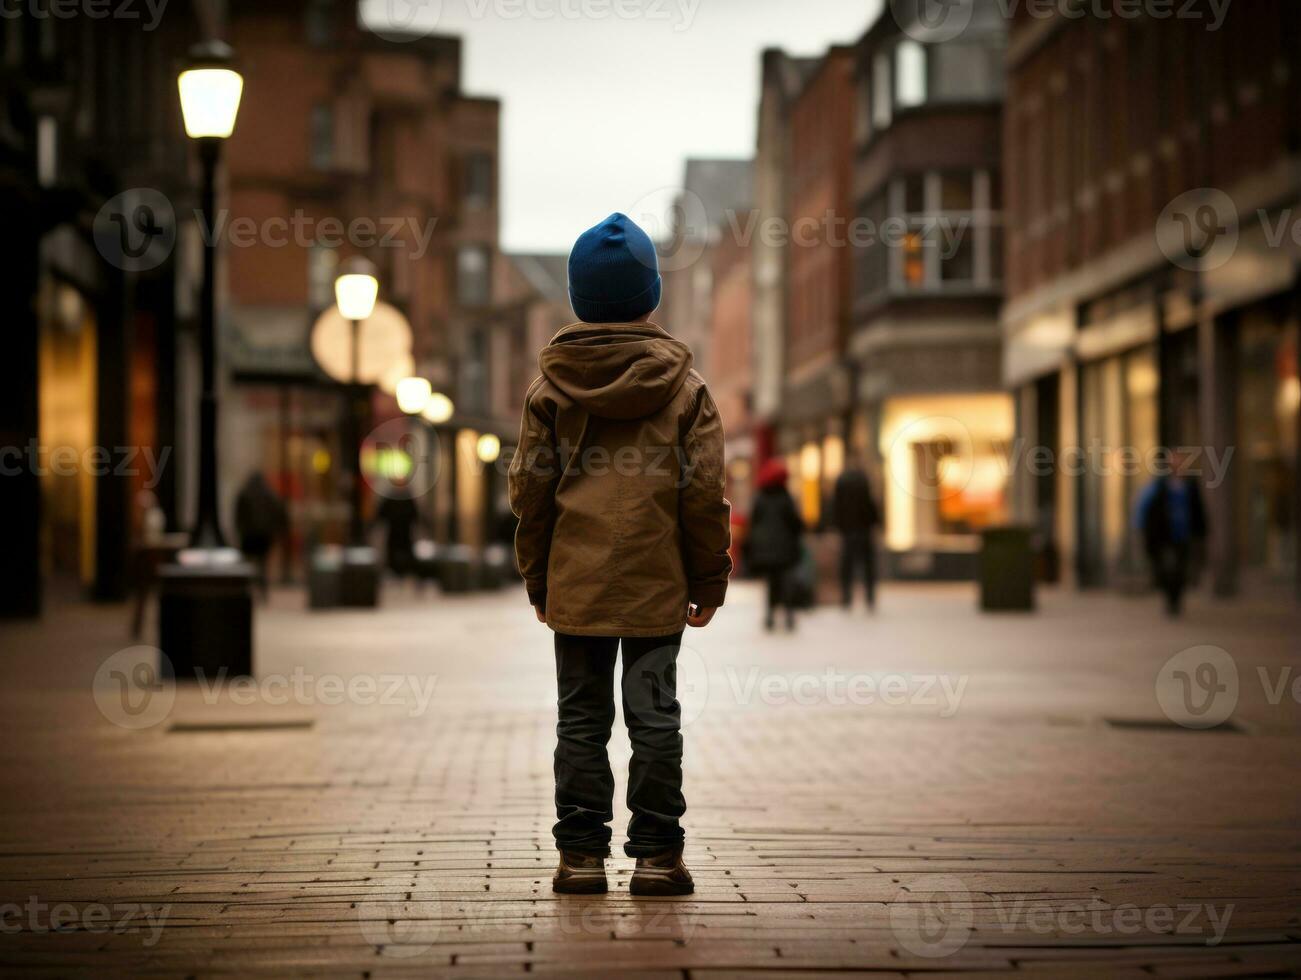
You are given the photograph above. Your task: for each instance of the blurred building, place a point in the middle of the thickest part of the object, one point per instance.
(532, 307)
(732, 376)
(782, 79)
(98, 288)
(1153, 188)
(360, 143)
(923, 344)
(715, 198)
(815, 403)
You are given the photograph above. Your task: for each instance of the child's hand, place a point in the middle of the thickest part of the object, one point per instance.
(700, 615)
(540, 613)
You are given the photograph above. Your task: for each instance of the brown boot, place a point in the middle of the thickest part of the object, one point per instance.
(580, 874)
(663, 874)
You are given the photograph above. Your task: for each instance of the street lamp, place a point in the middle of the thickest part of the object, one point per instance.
(413, 395)
(210, 91)
(355, 292)
(205, 604)
(438, 409)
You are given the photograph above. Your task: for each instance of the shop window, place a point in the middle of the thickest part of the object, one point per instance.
(957, 263)
(478, 182)
(473, 268)
(967, 72)
(321, 137)
(914, 193)
(910, 75)
(996, 246)
(322, 267)
(914, 257)
(882, 109)
(863, 112)
(873, 257)
(956, 192)
(318, 22)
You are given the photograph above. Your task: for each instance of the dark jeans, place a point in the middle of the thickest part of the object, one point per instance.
(779, 595)
(1170, 562)
(584, 782)
(857, 548)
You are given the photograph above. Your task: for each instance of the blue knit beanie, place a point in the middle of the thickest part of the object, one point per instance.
(614, 276)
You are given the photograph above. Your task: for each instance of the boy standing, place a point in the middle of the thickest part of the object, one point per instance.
(623, 534)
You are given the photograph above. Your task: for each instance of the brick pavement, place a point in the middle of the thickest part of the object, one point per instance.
(928, 790)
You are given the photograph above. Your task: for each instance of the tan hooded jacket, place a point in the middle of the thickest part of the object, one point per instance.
(618, 484)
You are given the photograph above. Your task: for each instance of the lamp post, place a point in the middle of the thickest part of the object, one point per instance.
(205, 603)
(210, 91)
(355, 292)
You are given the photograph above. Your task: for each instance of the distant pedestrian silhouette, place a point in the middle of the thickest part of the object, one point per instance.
(773, 545)
(855, 516)
(1172, 517)
(400, 517)
(259, 520)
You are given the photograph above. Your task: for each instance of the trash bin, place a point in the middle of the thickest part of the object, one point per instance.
(457, 570)
(1007, 570)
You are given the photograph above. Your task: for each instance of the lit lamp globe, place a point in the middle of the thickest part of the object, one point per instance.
(413, 395)
(488, 448)
(356, 289)
(210, 90)
(438, 409)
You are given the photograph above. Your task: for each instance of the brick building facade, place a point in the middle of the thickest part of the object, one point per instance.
(1151, 163)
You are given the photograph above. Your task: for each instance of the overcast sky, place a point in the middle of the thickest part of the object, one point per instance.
(600, 109)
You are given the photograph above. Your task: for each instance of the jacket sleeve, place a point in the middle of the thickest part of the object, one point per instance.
(704, 512)
(534, 473)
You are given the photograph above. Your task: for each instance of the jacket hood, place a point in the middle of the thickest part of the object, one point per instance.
(616, 370)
